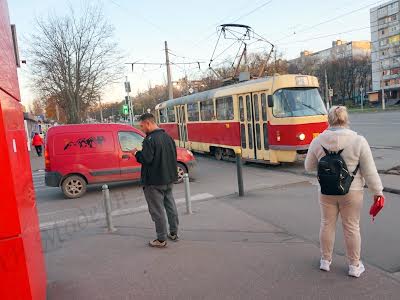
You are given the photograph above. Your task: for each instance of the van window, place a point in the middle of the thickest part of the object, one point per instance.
(225, 108)
(207, 110)
(83, 143)
(171, 114)
(130, 140)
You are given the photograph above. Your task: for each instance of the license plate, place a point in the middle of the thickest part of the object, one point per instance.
(315, 134)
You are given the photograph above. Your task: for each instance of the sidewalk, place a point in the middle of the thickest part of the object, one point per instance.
(37, 163)
(225, 253)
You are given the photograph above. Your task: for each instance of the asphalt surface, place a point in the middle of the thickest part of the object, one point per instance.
(380, 128)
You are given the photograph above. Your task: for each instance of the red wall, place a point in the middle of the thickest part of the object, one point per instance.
(22, 269)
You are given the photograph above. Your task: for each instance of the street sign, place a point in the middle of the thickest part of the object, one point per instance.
(125, 109)
(127, 86)
(330, 92)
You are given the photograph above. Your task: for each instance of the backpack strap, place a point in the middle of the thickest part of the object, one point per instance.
(356, 169)
(325, 150)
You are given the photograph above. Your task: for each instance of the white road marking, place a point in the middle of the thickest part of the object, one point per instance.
(119, 212)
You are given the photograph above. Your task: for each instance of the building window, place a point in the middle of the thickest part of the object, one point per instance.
(193, 112)
(207, 110)
(225, 108)
(171, 114)
(394, 39)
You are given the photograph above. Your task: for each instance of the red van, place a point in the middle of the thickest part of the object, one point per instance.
(78, 155)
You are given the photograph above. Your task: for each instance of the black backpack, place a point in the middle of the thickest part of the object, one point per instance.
(333, 175)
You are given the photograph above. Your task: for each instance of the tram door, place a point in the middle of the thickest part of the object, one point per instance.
(182, 125)
(253, 125)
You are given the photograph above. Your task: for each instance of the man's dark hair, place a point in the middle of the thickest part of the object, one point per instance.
(147, 117)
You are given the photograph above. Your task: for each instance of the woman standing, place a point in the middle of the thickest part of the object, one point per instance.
(356, 152)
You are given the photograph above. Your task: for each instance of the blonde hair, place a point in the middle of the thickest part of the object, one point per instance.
(338, 116)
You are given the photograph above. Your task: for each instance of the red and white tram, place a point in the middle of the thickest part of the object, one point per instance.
(271, 119)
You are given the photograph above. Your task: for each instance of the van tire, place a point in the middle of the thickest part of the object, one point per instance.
(181, 169)
(74, 186)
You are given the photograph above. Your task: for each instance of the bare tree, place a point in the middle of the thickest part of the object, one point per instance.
(73, 58)
(37, 107)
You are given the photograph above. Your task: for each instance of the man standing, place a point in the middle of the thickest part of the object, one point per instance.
(159, 172)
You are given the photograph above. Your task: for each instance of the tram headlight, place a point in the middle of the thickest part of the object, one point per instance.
(301, 136)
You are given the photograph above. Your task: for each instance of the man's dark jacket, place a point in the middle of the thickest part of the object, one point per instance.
(158, 159)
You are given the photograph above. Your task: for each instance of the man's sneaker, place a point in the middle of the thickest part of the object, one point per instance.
(325, 265)
(158, 244)
(173, 237)
(356, 271)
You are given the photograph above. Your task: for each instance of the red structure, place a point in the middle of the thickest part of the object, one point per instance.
(22, 269)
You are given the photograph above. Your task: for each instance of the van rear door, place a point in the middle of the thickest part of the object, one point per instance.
(127, 141)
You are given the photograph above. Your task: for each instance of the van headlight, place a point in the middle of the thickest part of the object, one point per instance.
(189, 152)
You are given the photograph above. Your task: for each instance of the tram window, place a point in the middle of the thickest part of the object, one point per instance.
(163, 116)
(241, 108)
(258, 136)
(248, 108)
(250, 134)
(171, 114)
(207, 110)
(193, 112)
(256, 109)
(264, 106)
(225, 108)
(265, 130)
(243, 135)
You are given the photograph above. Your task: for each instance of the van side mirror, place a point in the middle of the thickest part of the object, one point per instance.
(270, 101)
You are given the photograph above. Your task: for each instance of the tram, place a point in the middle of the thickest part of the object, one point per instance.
(271, 119)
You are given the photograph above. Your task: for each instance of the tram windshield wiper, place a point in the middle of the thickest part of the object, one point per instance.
(313, 108)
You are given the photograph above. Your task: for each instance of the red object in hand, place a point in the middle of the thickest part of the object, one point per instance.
(377, 206)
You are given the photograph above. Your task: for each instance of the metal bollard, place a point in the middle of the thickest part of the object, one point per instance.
(187, 194)
(107, 208)
(239, 174)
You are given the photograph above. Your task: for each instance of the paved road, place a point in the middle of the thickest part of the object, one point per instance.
(213, 178)
(381, 128)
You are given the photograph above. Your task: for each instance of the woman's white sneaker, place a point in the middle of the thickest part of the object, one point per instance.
(356, 271)
(325, 265)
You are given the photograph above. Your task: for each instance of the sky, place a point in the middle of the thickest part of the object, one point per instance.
(190, 27)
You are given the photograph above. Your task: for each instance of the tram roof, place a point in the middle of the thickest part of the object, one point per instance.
(234, 89)
(228, 90)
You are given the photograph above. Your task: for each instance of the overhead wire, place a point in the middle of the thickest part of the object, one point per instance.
(329, 20)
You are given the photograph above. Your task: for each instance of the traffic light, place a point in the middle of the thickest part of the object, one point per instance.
(125, 109)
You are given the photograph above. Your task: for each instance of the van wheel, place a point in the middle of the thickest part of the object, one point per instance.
(74, 186)
(181, 168)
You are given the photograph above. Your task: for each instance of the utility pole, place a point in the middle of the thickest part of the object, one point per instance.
(57, 113)
(383, 89)
(326, 91)
(101, 111)
(362, 97)
(130, 105)
(170, 89)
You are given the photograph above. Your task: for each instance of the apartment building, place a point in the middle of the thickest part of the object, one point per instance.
(385, 54)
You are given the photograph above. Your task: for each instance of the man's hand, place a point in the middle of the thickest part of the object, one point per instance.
(134, 151)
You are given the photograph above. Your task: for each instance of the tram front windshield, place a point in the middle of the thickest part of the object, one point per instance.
(297, 102)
